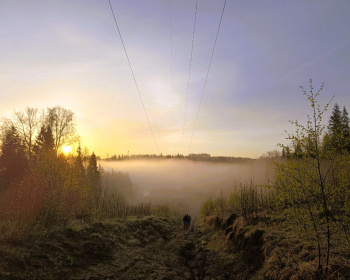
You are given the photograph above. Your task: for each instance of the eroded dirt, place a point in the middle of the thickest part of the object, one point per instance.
(147, 248)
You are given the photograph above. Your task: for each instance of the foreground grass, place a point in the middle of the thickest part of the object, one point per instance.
(80, 251)
(268, 248)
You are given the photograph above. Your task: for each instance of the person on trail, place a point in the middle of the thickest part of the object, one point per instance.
(185, 220)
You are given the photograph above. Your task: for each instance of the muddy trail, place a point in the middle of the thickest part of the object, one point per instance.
(147, 248)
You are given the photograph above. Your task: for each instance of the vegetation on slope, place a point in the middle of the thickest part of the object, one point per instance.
(303, 217)
(145, 248)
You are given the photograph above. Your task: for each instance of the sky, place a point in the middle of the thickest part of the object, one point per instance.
(69, 53)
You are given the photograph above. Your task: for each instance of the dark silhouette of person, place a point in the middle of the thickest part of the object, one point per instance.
(185, 220)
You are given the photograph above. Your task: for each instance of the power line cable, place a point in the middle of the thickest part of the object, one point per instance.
(171, 59)
(189, 72)
(133, 75)
(206, 78)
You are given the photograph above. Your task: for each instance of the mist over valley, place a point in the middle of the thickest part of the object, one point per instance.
(184, 184)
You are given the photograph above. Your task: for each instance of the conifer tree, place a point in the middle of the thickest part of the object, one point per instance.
(13, 162)
(92, 169)
(79, 169)
(44, 144)
(78, 162)
(335, 120)
(345, 127)
(335, 127)
(93, 177)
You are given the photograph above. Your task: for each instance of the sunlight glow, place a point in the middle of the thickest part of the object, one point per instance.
(67, 149)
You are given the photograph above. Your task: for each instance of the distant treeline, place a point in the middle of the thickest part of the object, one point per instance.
(193, 157)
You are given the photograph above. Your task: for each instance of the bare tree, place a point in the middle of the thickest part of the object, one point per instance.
(27, 125)
(5, 125)
(62, 123)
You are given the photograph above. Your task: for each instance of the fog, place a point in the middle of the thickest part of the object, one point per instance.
(185, 184)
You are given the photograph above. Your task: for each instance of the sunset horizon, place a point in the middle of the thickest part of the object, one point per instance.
(225, 82)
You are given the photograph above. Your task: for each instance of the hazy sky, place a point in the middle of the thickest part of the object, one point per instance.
(68, 53)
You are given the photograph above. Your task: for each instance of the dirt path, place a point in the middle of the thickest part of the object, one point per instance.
(167, 257)
(147, 248)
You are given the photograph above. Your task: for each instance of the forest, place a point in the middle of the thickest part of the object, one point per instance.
(41, 185)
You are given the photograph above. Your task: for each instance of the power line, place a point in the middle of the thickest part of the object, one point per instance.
(133, 75)
(171, 59)
(206, 78)
(189, 72)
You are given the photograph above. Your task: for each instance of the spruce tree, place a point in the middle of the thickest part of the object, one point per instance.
(92, 169)
(335, 120)
(44, 146)
(345, 128)
(13, 162)
(335, 127)
(79, 168)
(78, 162)
(93, 177)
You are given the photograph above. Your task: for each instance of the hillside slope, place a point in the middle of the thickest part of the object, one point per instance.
(159, 248)
(147, 248)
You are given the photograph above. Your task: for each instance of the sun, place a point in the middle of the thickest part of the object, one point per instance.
(67, 149)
